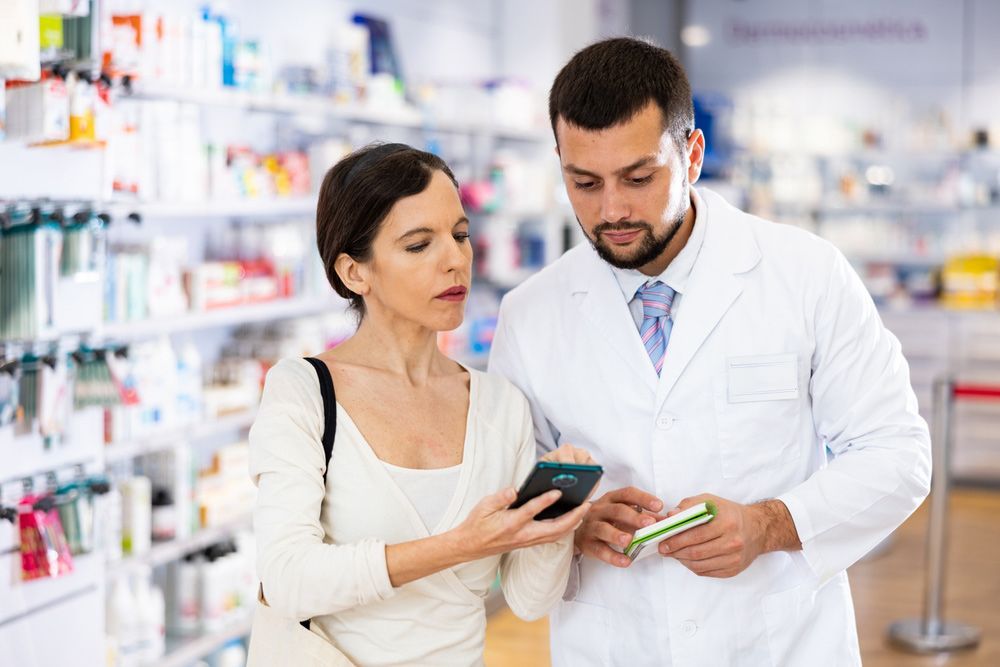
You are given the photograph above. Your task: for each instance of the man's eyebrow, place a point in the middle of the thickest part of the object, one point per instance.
(641, 162)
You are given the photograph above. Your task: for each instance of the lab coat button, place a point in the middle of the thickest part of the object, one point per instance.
(689, 628)
(664, 422)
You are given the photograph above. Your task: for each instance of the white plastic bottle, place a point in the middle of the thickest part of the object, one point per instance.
(121, 620)
(213, 592)
(233, 654)
(108, 523)
(158, 616)
(137, 515)
(185, 619)
(145, 624)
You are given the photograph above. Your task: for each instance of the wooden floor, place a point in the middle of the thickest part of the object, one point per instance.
(886, 588)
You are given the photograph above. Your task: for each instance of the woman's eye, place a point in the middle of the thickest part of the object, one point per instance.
(585, 185)
(417, 248)
(462, 237)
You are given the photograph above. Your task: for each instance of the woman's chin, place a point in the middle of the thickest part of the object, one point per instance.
(450, 324)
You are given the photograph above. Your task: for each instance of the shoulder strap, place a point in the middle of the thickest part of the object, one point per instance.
(329, 408)
(330, 420)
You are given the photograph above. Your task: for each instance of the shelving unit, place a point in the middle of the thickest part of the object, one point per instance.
(259, 208)
(307, 104)
(177, 437)
(162, 553)
(278, 309)
(297, 121)
(183, 651)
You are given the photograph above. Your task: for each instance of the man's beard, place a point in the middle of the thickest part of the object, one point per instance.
(650, 246)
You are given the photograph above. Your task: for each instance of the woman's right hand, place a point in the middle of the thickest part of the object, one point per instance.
(491, 528)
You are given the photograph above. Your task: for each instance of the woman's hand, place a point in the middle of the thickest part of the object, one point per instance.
(491, 528)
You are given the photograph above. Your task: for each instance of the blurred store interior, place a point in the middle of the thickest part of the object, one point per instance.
(159, 163)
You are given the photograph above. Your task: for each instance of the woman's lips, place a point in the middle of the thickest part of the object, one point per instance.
(623, 237)
(453, 294)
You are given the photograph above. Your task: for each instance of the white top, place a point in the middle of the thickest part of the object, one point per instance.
(429, 490)
(675, 276)
(321, 547)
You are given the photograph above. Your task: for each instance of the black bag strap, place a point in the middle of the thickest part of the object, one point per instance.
(330, 419)
(329, 408)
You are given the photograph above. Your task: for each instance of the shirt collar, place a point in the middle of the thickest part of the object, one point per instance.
(679, 270)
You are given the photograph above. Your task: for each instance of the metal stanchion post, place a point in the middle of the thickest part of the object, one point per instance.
(931, 633)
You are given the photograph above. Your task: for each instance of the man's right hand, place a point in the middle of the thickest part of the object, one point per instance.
(612, 520)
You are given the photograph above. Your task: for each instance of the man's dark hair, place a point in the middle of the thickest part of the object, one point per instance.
(356, 196)
(609, 82)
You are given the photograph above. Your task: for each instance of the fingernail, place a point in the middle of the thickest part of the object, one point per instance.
(623, 540)
(664, 549)
(623, 561)
(648, 521)
(657, 505)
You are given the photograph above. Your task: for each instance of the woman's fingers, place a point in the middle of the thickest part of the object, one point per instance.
(528, 511)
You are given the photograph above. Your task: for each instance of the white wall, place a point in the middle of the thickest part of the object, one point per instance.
(948, 59)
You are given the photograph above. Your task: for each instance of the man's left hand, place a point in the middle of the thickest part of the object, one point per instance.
(729, 543)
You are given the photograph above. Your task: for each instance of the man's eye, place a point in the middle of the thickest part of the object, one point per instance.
(641, 181)
(584, 185)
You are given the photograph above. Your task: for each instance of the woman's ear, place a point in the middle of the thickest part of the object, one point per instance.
(353, 274)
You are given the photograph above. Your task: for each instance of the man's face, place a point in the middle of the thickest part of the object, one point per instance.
(629, 185)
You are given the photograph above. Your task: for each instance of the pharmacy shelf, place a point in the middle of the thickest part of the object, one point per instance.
(897, 258)
(162, 553)
(174, 437)
(182, 652)
(399, 116)
(223, 317)
(236, 208)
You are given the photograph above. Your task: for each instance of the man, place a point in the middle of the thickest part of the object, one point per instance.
(702, 353)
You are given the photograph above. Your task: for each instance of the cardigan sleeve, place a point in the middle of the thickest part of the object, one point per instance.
(301, 575)
(533, 579)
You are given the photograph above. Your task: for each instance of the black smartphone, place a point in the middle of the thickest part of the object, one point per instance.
(575, 480)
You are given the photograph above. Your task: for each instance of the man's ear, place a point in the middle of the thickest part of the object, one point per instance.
(695, 155)
(354, 274)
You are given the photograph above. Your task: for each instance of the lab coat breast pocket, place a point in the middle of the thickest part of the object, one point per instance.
(759, 412)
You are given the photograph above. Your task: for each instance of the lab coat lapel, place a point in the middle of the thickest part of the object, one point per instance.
(715, 284)
(601, 300)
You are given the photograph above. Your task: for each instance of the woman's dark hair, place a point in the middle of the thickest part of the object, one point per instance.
(357, 194)
(609, 82)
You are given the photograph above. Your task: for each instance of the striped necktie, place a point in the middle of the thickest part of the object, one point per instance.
(656, 322)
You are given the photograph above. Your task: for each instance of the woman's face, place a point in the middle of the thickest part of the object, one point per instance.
(421, 263)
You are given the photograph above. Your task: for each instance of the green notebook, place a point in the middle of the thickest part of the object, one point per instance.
(650, 536)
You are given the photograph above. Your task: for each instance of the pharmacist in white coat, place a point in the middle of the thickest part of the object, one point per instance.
(700, 352)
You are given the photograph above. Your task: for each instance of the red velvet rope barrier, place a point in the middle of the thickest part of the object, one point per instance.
(976, 391)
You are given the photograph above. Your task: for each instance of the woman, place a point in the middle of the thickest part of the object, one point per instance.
(414, 524)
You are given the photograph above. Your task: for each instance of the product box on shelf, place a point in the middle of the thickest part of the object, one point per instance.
(38, 111)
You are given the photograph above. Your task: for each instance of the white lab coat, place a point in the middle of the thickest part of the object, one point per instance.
(779, 381)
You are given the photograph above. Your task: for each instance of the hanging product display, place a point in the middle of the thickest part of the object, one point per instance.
(44, 550)
(84, 244)
(30, 244)
(10, 385)
(95, 385)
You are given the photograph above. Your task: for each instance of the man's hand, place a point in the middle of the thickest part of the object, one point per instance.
(613, 519)
(729, 543)
(567, 453)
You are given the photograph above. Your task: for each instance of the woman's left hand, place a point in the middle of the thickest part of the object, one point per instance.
(567, 453)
